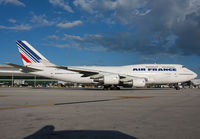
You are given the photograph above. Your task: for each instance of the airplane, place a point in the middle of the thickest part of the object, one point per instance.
(110, 77)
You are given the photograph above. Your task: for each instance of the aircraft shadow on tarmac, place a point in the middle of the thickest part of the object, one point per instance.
(48, 132)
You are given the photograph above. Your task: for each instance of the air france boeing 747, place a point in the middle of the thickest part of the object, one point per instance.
(111, 77)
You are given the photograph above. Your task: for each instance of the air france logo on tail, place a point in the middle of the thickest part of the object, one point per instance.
(28, 55)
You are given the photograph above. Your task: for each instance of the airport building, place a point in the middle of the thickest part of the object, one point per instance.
(10, 76)
(13, 77)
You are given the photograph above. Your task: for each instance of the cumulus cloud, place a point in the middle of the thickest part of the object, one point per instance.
(71, 37)
(61, 45)
(54, 37)
(70, 24)
(117, 6)
(170, 27)
(21, 27)
(13, 2)
(122, 42)
(41, 20)
(90, 42)
(86, 5)
(62, 4)
(12, 21)
(180, 19)
(57, 45)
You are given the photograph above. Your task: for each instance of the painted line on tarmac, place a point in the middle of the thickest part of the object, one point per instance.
(77, 102)
(31, 106)
(3, 95)
(137, 97)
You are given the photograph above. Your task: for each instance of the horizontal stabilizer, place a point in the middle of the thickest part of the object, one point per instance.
(23, 68)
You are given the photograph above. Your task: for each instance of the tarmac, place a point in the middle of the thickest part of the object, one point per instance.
(47, 113)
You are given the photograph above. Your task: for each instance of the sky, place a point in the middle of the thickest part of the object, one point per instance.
(103, 32)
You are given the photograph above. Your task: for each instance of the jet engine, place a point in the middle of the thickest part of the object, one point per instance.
(112, 79)
(136, 82)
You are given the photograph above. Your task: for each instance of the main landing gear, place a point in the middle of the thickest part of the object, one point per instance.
(177, 87)
(110, 87)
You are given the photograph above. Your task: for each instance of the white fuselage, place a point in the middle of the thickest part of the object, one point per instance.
(153, 73)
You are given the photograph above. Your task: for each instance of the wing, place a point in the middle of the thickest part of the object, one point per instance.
(96, 74)
(85, 72)
(24, 68)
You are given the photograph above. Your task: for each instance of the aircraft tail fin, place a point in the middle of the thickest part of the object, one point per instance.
(30, 56)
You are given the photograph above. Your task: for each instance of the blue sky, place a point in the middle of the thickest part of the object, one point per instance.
(103, 32)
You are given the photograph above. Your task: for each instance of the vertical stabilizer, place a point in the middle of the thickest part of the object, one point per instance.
(30, 56)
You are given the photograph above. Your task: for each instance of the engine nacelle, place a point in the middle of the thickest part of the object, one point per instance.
(111, 79)
(138, 82)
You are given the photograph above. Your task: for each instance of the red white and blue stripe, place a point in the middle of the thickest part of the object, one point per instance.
(28, 55)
